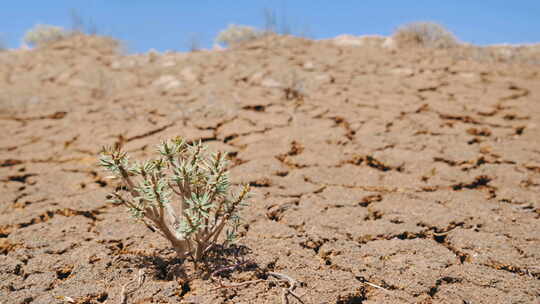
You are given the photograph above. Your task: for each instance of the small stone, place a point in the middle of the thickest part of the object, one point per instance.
(402, 72)
(167, 82)
(309, 66)
(270, 83)
(323, 78)
(168, 63)
(389, 43)
(187, 74)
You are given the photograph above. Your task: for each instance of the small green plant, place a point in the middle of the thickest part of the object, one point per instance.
(42, 34)
(425, 34)
(183, 194)
(235, 34)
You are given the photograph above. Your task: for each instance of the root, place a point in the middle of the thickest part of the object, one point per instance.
(279, 276)
(287, 291)
(139, 280)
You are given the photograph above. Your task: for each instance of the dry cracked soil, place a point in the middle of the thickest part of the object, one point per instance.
(379, 175)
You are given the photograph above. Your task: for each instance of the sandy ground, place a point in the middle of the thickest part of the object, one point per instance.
(379, 175)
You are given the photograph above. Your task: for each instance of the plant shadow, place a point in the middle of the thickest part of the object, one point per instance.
(220, 261)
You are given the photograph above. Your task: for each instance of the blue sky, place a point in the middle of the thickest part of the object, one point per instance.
(171, 24)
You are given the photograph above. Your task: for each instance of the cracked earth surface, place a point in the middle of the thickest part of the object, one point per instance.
(411, 170)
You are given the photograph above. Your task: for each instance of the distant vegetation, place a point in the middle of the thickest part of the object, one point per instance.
(425, 34)
(235, 34)
(42, 34)
(415, 34)
(273, 25)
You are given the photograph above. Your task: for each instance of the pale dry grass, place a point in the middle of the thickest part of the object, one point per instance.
(424, 34)
(511, 54)
(236, 34)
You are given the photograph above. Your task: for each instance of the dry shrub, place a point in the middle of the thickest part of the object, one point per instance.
(56, 37)
(425, 34)
(42, 34)
(235, 34)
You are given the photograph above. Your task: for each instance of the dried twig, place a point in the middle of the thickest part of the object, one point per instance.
(387, 291)
(286, 291)
(223, 285)
(125, 293)
(376, 286)
(279, 276)
(231, 268)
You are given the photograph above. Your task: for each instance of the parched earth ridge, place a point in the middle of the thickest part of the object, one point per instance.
(413, 170)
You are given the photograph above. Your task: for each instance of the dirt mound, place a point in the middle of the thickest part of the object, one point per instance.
(381, 175)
